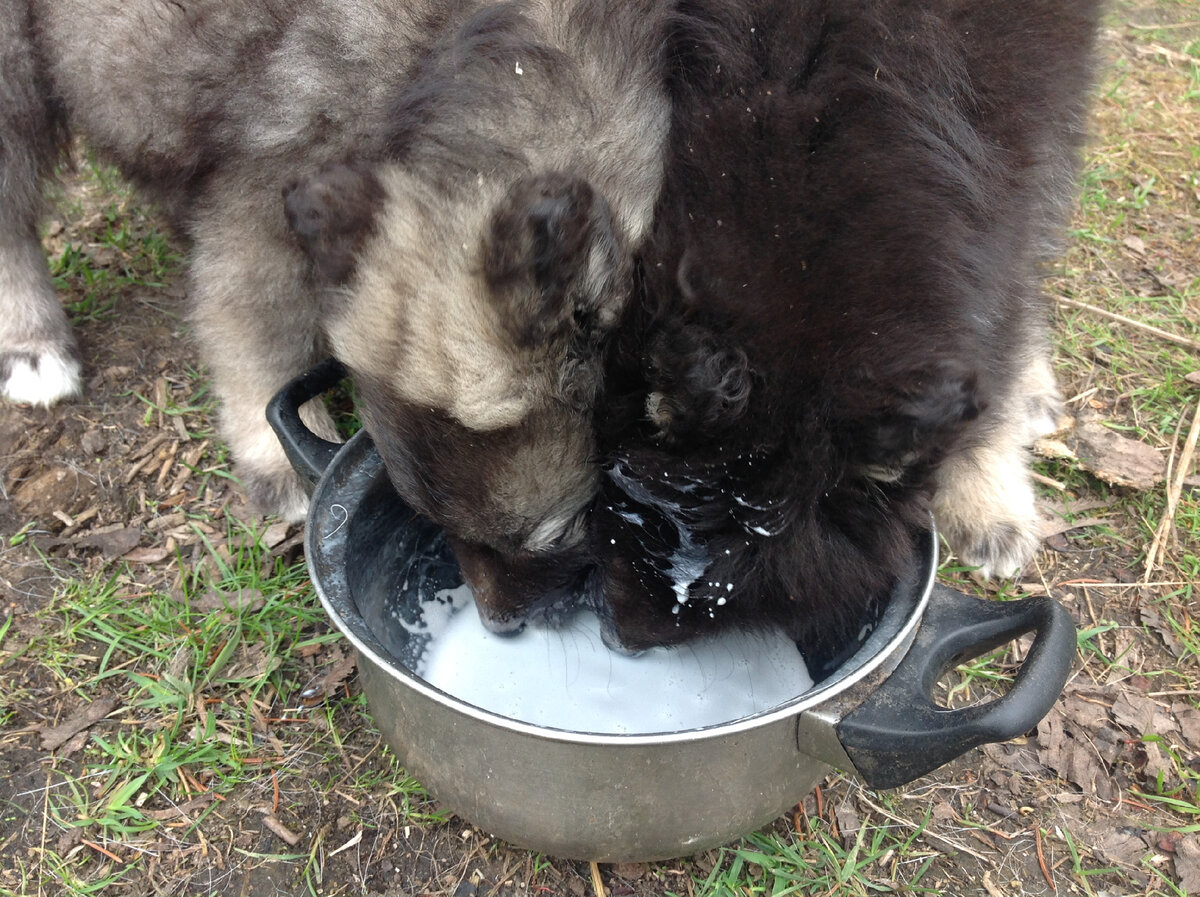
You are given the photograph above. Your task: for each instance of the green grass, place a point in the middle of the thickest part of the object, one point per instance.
(878, 858)
(202, 689)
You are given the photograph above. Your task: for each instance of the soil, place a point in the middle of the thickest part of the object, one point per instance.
(94, 484)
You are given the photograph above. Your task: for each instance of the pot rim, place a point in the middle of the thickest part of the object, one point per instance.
(874, 649)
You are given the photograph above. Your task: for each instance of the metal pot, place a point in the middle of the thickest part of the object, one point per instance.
(627, 798)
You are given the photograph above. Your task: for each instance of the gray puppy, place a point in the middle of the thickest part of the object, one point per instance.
(462, 186)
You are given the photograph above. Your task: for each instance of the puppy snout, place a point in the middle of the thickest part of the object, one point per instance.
(510, 589)
(499, 624)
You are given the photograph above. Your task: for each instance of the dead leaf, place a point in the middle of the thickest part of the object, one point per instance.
(339, 673)
(1187, 864)
(629, 871)
(1135, 244)
(1159, 767)
(1168, 842)
(1060, 526)
(1192, 377)
(1137, 716)
(177, 670)
(252, 662)
(847, 821)
(1019, 758)
(275, 533)
(1152, 618)
(112, 544)
(147, 555)
(83, 718)
(1070, 752)
(241, 600)
(1188, 718)
(1125, 845)
(1077, 506)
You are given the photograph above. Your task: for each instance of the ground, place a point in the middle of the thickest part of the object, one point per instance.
(177, 717)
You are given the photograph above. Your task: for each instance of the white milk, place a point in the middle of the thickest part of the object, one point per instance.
(565, 678)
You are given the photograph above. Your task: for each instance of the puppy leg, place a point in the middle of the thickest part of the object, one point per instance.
(39, 363)
(38, 359)
(985, 502)
(256, 321)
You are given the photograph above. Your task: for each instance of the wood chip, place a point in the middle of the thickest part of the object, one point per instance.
(145, 450)
(1106, 454)
(167, 464)
(189, 461)
(137, 468)
(166, 521)
(79, 521)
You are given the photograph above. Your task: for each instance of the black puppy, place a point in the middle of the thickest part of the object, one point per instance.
(839, 329)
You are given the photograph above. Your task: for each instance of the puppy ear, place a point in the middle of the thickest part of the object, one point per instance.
(917, 422)
(331, 212)
(554, 263)
(699, 385)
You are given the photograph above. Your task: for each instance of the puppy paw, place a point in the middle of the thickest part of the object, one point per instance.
(1000, 551)
(39, 377)
(985, 508)
(279, 492)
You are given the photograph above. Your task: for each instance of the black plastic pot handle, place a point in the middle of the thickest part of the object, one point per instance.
(308, 452)
(899, 733)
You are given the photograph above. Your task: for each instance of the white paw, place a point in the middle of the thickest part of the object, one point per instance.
(986, 510)
(1001, 550)
(42, 379)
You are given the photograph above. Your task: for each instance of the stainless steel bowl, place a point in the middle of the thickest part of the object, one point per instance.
(616, 798)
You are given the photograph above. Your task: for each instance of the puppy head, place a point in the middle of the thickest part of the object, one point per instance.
(473, 321)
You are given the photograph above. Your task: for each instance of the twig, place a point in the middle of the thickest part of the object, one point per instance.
(1048, 481)
(941, 842)
(96, 847)
(1148, 328)
(285, 834)
(1174, 490)
(1137, 27)
(597, 883)
(1037, 840)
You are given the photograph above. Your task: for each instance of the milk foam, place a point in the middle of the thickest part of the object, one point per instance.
(565, 678)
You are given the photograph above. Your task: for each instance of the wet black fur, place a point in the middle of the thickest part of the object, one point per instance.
(858, 197)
